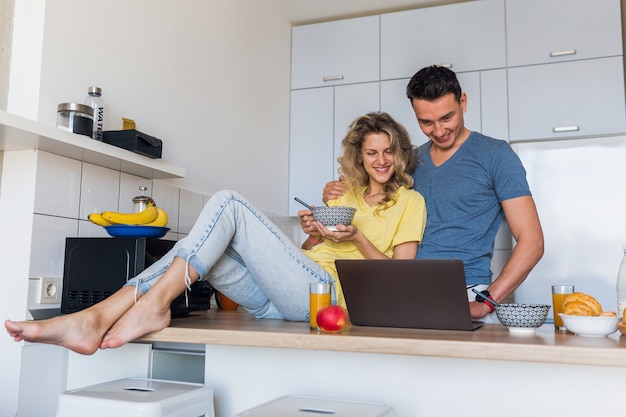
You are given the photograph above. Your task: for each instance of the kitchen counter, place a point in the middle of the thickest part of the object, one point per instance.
(492, 341)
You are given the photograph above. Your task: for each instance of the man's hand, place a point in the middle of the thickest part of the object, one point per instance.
(332, 191)
(479, 310)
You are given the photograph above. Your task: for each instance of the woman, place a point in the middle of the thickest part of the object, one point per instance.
(244, 256)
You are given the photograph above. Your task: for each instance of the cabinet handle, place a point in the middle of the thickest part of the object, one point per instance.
(559, 129)
(332, 77)
(562, 53)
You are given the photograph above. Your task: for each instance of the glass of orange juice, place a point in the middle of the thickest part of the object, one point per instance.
(319, 297)
(558, 293)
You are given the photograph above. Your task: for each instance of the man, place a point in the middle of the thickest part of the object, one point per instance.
(470, 182)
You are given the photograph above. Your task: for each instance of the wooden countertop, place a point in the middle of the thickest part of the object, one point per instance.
(492, 341)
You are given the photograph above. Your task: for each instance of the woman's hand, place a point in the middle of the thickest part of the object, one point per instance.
(307, 223)
(343, 233)
(308, 226)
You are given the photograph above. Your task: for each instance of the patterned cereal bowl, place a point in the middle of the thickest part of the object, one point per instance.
(522, 318)
(331, 216)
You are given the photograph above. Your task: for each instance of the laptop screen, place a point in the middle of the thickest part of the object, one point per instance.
(408, 293)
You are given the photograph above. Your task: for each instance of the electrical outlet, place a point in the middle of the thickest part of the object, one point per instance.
(51, 288)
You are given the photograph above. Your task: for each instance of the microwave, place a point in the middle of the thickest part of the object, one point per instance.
(96, 267)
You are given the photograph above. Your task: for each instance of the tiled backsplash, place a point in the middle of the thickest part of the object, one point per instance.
(68, 190)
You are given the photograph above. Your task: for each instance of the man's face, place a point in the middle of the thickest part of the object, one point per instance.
(441, 119)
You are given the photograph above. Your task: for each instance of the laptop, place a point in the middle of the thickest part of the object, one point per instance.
(408, 293)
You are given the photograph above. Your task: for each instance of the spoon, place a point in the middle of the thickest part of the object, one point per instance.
(303, 203)
(489, 300)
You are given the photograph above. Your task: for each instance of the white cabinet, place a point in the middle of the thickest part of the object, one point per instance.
(393, 100)
(310, 146)
(565, 76)
(567, 99)
(468, 36)
(494, 115)
(541, 31)
(351, 101)
(319, 120)
(338, 52)
(486, 104)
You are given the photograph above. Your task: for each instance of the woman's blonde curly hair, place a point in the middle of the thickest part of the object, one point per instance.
(351, 162)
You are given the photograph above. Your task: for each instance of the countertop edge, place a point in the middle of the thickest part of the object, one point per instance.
(493, 344)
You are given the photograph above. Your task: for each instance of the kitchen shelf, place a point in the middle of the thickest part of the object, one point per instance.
(18, 133)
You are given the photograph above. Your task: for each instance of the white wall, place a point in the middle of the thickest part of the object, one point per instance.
(6, 35)
(210, 78)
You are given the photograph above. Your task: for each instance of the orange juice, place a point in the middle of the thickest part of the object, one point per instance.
(557, 307)
(316, 303)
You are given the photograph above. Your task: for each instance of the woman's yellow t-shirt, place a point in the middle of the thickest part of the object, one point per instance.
(402, 222)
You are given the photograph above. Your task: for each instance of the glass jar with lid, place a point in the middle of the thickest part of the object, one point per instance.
(140, 202)
(75, 118)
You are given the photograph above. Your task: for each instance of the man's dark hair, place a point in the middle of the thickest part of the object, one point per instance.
(431, 83)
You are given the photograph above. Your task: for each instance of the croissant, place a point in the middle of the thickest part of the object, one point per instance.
(581, 304)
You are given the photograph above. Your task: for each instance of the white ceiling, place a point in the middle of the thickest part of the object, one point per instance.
(308, 11)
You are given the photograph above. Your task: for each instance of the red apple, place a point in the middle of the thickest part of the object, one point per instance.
(332, 319)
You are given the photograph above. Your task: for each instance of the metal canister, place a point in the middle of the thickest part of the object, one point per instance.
(75, 118)
(140, 202)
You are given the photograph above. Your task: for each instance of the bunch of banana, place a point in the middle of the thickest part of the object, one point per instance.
(151, 216)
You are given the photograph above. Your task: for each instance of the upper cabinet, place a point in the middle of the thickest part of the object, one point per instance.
(339, 52)
(466, 36)
(544, 31)
(566, 75)
(568, 99)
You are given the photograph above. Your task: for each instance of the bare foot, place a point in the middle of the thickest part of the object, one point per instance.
(80, 332)
(143, 318)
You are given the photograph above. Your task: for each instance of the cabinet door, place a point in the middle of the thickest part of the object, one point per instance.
(467, 36)
(567, 99)
(338, 52)
(352, 101)
(310, 146)
(494, 116)
(393, 100)
(542, 31)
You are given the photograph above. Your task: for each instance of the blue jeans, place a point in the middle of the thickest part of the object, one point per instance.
(246, 257)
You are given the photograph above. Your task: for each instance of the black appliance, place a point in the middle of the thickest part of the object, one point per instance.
(96, 267)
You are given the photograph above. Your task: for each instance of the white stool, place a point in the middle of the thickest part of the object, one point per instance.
(138, 397)
(293, 405)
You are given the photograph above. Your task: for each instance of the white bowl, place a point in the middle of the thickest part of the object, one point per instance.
(590, 326)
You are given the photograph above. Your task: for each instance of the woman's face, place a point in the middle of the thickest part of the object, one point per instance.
(378, 160)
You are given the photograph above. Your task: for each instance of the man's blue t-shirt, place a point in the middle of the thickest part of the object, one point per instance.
(463, 198)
